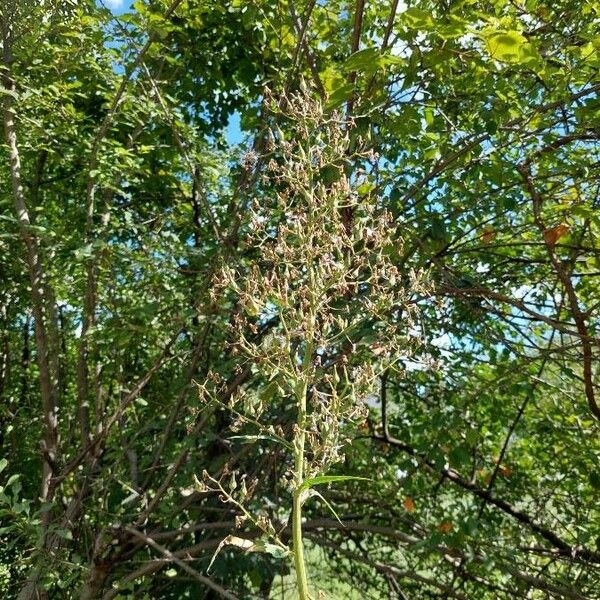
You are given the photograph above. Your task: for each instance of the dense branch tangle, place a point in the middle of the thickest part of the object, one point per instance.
(149, 254)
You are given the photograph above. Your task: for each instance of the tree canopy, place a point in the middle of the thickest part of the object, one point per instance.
(300, 299)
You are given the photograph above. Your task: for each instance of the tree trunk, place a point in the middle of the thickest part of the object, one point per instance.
(47, 363)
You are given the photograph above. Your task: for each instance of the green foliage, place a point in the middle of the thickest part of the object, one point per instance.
(474, 468)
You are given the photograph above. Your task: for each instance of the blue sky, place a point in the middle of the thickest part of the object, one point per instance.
(116, 6)
(233, 133)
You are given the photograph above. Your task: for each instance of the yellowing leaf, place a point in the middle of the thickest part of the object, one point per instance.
(488, 235)
(409, 504)
(445, 527)
(553, 234)
(378, 349)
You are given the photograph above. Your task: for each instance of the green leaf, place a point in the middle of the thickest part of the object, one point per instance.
(367, 60)
(340, 95)
(329, 506)
(269, 391)
(321, 479)
(330, 174)
(12, 479)
(392, 59)
(84, 252)
(455, 28)
(438, 229)
(273, 549)
(505, 46)
(472, 436)
(429, 116)
(3, 464)
(460, 455)
(415, 18)
(5, 92)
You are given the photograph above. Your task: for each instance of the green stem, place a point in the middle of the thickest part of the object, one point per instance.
(300, 436)
(298, 546)
(299, 562)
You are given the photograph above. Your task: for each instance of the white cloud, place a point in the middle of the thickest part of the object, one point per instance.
(113, 4)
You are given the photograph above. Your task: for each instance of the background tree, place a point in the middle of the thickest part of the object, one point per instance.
(121, 201)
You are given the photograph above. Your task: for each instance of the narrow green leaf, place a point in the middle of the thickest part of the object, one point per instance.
(321, 479)
(329, 506)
